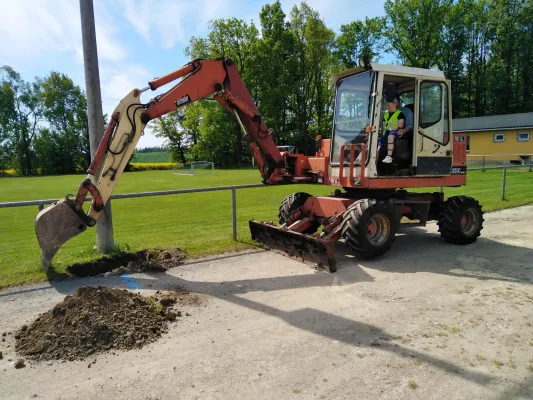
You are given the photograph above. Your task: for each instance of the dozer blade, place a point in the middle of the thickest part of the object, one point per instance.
(295, 245)
(54, 226)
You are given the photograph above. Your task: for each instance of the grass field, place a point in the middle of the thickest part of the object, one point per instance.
(154, 157)
(199, 223)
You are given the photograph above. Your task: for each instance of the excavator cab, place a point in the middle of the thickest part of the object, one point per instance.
(360, 97)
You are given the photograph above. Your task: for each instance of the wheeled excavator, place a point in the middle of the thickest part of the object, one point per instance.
(370, 201)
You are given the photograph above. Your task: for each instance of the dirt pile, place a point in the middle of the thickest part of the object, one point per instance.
(153, 260)
(93, 320)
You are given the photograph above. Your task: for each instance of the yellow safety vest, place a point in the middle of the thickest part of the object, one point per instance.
(392, 122)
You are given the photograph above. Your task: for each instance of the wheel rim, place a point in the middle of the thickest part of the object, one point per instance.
(378, 229)
(469, 222)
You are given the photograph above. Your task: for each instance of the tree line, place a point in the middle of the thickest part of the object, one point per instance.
(483, 47)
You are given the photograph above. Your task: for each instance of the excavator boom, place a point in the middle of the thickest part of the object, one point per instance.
(200, 79)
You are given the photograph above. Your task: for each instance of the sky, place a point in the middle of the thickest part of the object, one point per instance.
(137, 40)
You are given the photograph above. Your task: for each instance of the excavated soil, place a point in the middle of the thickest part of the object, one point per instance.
(153, 260)
(98, 319)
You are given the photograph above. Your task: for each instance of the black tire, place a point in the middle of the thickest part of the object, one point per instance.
(357, 225)
(290, 204)
(460, 220)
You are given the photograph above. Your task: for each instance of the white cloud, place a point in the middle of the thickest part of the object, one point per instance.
(34, 27)
(116, 82)
(165, 23)
(157, 22)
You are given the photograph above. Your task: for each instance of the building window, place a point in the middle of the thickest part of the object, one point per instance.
(468, 143)
(523, 136)
(499, 137)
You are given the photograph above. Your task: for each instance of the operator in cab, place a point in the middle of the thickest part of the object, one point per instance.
(408, 118)
(393, 125)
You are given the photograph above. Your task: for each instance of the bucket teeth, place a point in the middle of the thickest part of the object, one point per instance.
(295, 245)
(54, 226)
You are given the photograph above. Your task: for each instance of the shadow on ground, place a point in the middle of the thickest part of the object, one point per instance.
(416, 250)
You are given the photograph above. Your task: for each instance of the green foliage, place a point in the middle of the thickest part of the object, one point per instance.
(22, 111)
(217, 139)
(170, 127)
(360, 39)
(483, 47)
(63, 147)
(152, 149)
(157, 166)
(43, 124)
(151, 157)
(415, 29)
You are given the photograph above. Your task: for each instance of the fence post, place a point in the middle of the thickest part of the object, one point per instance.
(483, 164)
(234, 208)
(503, 183)
(530, 163)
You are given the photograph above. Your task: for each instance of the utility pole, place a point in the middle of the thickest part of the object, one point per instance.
(104, 226)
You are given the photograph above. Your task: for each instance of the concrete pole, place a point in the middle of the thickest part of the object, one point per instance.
(104, 227)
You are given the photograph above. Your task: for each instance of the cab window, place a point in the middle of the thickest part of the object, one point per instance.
(433, 115)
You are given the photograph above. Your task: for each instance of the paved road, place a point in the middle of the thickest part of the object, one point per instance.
(428, 321)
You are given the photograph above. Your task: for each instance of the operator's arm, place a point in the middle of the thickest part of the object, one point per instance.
(401, 124)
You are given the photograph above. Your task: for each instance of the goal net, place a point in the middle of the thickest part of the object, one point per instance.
(202, 168)
(196, 168)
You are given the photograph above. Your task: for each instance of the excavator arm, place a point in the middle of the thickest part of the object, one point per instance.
(219, 78)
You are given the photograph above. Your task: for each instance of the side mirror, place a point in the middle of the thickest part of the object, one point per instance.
(390, 92)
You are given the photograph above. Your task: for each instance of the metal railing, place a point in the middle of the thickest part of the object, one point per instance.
(485, 156)
(42, 203)
(504, 177)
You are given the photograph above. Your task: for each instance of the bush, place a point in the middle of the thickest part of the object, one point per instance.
(8, 172)
(154, 166)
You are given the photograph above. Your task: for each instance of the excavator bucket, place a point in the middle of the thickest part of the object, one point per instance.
(295, 245)
(54, 226)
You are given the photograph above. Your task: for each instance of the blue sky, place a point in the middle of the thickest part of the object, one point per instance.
(137, 39)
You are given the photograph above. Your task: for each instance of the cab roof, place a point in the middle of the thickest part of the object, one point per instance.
(390, 69)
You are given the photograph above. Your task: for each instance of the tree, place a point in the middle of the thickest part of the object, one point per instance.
(232, 38)
(275, 67)
(455, 38)
(312, 101)
(360, 39)
(415, 30)
(170, 127)
(22, 114)
(216, 140)
(67, 134)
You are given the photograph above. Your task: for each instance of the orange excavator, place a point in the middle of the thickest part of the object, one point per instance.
(370, 201)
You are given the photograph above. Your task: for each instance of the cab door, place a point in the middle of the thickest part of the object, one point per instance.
(433, 156)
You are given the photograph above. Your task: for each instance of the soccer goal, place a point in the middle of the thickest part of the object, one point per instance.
(196, 168)
(202, 168)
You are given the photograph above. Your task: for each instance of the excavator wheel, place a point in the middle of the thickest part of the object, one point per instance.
(290, 204)
(368, 228)
(460, 220)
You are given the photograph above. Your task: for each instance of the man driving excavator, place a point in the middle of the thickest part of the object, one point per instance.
(393, 126)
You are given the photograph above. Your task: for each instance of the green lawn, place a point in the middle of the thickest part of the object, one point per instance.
(199, 223)
(153, 157)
